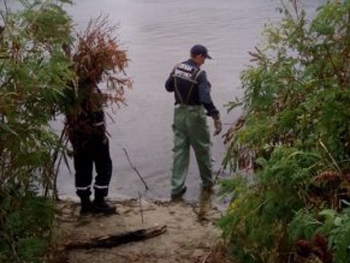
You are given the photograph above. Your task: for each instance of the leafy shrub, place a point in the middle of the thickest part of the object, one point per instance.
(33, 74)
(295, 128)
(26, 228)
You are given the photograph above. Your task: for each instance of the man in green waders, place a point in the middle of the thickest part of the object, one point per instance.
(193, 104)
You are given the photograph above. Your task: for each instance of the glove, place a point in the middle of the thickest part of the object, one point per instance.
(218, 126)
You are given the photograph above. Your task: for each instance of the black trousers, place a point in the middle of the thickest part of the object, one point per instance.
(90, 151)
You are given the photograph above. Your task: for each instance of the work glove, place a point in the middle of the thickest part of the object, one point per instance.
(218, 126)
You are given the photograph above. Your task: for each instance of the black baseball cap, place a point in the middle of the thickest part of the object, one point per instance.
(200, 50)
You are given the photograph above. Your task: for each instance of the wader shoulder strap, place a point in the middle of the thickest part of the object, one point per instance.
(175, 85)
(194, 82)
(177, 92)
(197, 74)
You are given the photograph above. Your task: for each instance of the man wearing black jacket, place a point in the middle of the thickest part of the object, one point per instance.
(193, 104)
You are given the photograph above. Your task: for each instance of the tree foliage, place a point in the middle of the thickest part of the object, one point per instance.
(33, 74)
(44, 64)
(295, 126)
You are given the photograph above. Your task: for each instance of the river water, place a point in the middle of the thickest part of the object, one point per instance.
(158, 34)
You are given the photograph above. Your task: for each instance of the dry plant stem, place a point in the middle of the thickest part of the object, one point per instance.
(63, 141)
(140, 206)
(200, 214)
(133, 167)
(217, 176)
(330, 155)
(206, 258)
(13, 246)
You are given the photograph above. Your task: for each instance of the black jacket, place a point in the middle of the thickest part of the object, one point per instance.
(191, 86)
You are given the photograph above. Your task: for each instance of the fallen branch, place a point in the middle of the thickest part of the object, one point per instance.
(118, 239)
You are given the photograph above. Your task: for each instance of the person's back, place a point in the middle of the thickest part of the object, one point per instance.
(185, 74)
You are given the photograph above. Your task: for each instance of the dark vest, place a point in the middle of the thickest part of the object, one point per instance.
(185, 82)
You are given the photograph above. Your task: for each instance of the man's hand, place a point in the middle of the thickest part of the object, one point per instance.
(218, 126)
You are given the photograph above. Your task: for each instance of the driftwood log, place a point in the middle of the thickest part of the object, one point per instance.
(116, 240)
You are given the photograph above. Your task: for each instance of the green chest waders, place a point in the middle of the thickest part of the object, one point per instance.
(190, 129)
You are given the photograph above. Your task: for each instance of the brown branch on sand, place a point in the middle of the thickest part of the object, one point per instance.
(118, 239)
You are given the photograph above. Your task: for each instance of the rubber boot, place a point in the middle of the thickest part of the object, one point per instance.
(86, 206)
(178, 196)
(102, 207)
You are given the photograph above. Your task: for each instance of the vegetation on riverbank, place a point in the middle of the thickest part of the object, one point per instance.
(295, 133)
(34, 71)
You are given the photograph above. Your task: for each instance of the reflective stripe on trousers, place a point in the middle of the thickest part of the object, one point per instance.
(190, 129)
(94, 151)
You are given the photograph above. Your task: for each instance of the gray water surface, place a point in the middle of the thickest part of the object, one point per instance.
(158, 34)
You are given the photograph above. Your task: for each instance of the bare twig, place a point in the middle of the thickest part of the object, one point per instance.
(206, 258)
(200, 214)
(133, 167)
(13, 246)
(5, 83)
(141, 210)
(217, 175)
(330, 155)
(63, 141)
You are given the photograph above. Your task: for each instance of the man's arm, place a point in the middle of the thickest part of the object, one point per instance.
(205, 98)
(169, 84)
(204, 95)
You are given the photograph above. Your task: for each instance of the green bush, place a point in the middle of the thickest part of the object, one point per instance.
(26, 228)
(34, 71)
(295, 128)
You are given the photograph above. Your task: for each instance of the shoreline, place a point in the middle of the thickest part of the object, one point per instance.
(191, 234)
